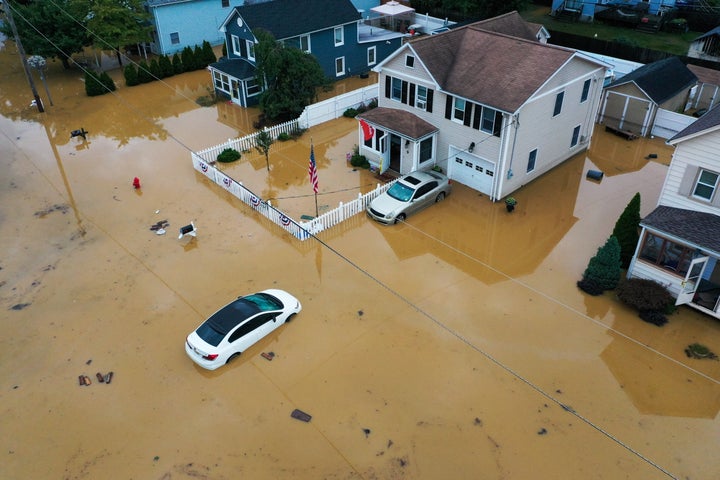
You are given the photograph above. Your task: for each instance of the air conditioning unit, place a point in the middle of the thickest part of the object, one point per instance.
(582, 138)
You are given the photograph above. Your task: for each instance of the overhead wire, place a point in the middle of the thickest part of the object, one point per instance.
(410, 303)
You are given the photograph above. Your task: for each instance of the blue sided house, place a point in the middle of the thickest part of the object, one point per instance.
(331, 30)
(621, 11)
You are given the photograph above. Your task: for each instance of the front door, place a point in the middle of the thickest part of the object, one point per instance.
(395, 149)
(692, 280)
(235, 89)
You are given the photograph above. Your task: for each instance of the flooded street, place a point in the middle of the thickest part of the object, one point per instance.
(456, 345)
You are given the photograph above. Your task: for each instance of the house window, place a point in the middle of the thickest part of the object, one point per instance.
(459, 109)
(409, 61)
(558, 104)
(531, 161)
(225, 3)
(305, 43)
(396, 90)
(221, 81)
(491, 120)
(250, 49)
(706, 185)
(251, 87)
(666, 254)
(377, 142)
(421, 98)
(339, 36)
(575, 136)
(236, 45)
(586, 91)
(371, 56)
(175, 38)
(426, 147)
(340, 66)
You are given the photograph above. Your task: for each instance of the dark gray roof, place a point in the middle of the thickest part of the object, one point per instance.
(290, 18)
(698, 228)
(400, 121)
(709, 121)
(239, 68)
(660, 80)
(159, 3)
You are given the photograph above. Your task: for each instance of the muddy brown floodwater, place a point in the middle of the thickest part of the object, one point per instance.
(453, 346)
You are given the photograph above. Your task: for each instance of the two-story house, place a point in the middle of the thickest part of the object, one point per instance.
(679, 243)
(495, 111)
(330, 30)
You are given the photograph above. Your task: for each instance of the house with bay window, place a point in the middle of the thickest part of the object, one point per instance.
(679, 244)
(330, 30)
(489, 103)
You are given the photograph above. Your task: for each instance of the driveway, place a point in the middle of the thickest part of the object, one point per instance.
(455, 345)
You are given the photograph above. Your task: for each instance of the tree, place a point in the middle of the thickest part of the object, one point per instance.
(93, 84)
(107, 82)
(288, 76)
(50, 29)
(626, 230)
(177, 64)
(603, 270)
(155, 69)
(166, 66)
(188, 59)
(263, 141)
(131, 75)
(117, 23)
(144, 72)
(208, 53)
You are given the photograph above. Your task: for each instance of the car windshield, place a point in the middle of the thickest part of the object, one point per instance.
(401, 192)
(265, 302)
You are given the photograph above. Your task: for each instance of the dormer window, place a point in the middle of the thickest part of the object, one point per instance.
(250, 49)
(339, 36)
(409, 61)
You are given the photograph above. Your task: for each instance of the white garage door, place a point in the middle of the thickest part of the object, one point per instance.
(472, 171)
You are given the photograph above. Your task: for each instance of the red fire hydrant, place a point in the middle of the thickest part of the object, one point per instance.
(136, 182)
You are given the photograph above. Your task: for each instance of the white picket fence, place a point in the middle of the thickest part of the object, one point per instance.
(300, 230)
(247, 142)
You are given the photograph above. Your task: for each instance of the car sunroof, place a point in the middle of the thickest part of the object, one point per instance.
(412, 180)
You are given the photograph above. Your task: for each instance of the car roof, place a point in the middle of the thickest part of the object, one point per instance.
(232, 314)
(418, 177)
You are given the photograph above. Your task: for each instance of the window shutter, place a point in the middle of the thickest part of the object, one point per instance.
(403, 95)
(429, 101)
(388, 86)
(498, 124)
(477, 118)
(411, 100)
(243, 48)
(468, 113)
(448, 107)
(688, 181)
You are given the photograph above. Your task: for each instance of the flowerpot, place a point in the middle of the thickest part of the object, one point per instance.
(509, 207)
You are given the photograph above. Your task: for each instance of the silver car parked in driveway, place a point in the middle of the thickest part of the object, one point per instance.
(409, 194)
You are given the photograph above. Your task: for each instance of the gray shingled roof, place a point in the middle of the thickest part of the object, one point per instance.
(235, 67)
(705, 75)
(511, 24)
(698, 228)
(399, 121)
(714, 31)
(473, 63)
(709, 121)
(660, 80)
(290, 18)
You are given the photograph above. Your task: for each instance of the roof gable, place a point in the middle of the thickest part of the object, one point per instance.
(705, 75)
(290, 18)
(459, 58)
(511, 24)
(699, 228)
(660, 80)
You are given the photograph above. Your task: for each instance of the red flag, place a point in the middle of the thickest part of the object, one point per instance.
(368, 131)
(312, 170)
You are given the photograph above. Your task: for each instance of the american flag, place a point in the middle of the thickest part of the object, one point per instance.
(312, 170)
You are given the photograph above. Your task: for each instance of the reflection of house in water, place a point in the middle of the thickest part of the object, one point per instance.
(614, 155)
(515, 243)
(658, 386)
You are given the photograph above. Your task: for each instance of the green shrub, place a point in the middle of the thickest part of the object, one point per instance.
(654, 317)
(228, 155)
(645, 295)
(604, 267)
(590, 287)
(188, 59)
(144, 72)
(360, 161)
(177, 64)
(166, 66)
(284, 137)
(107, 82)
(131, 75)
(208, 54)
(350, 113)
(93, 85)
(627, 230)
(155, 69)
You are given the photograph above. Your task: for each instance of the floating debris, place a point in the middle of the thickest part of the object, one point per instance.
(100, 377)
(366, 431)
(542, 431)
(268, 355)
(108, 377)
(300, 415)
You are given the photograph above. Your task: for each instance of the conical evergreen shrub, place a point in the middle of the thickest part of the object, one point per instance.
(208, 53)
(93, 85)
(177, 64)
(188, 59)
(603, 270)
(155, 69)
(107, 82)
(627, 230)
(144, 72)
(131, 75)
(166, 66)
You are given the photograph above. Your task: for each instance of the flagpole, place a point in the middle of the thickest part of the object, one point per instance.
(313, 175)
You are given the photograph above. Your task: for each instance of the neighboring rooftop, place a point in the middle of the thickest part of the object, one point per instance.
(700, 228)
(660, 80)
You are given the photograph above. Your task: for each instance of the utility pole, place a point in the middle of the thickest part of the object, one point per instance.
(8, 12)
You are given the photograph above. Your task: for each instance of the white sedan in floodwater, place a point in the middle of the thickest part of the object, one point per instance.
(239, 325)
(409, 194)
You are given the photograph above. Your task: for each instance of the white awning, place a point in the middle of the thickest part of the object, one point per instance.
(392, 8)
